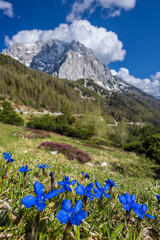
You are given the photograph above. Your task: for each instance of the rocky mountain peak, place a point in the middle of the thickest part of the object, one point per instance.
(65, 60)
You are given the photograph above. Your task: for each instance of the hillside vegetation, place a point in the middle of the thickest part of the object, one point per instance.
(38, 90)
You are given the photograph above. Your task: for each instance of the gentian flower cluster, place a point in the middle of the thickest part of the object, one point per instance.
(38, 201)
(101, 191)
(66, 184)
(127, 201)
(141, 210)
(74, 215)
(8, 157)
(111, 184)
(81, 190)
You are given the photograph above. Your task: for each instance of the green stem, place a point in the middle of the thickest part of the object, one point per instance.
(67, 232)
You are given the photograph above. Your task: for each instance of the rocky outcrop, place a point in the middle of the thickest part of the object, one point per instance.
(64, 60)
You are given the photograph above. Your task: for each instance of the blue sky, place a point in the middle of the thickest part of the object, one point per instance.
(124, 34)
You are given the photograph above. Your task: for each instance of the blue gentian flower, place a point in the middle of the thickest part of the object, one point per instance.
(29, 201)
(74, 215)
(43, 166)
(111, 183)
(127, 201)
(86, 175)
(66, 184)
(81, 190)
(8, 156)
(141, 210)
(100, 191)
(158, 198)
(24, 169)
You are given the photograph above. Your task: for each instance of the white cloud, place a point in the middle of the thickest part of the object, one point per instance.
(115, 13)
(146, 85)
(105, 44)
(7, 8)
(81, 6)
(156, 76)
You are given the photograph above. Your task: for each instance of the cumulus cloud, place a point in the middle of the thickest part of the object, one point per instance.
(105, 44)
(114, 6)
(156, 76)
(7, 8)
(151, 87)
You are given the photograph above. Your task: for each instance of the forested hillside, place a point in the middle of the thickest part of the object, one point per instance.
(38, 90)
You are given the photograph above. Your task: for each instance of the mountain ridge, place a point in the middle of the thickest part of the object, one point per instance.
(65, 60)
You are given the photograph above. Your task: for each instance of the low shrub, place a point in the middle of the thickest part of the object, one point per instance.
(69, 151)
(151, 147)
(9, 116)
(133, 147)
(61, 125)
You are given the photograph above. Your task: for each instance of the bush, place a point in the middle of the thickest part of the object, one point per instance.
(61, 125)
(151, 146)
(133, 147)
(69, 151)
(9, 116)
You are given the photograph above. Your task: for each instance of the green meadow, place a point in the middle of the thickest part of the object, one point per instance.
(106, 217)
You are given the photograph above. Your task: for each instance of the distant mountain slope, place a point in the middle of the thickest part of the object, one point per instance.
(72, 61)
(41, 90)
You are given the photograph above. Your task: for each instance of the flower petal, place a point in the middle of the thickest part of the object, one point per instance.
(90, 186)
(133, 197)
(62, 216)
(52, 194)
(150, 216)
(22, 169)
(66, 205)
(78, 206)
(98, 185)
(38, 188)
(107, 195)
(62, 190)
(136, 206)
(73, 182)
(106, 187)
(77, 219)
(144, 208)
(69, 189)
(95, 190)
(89, 197)
(28, 201)
(127, 207)
(40, 206)
(122, 199)
(128, 197)
(39, 165)
(61, 183)
(80, 189)
(140, 215)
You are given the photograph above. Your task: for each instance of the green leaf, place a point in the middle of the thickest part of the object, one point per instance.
(116, 231)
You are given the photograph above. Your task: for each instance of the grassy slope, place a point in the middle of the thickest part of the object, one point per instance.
(133, 174)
